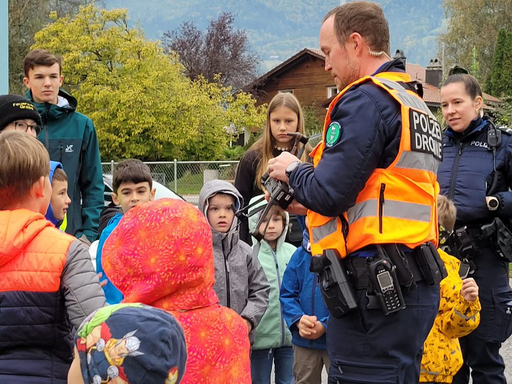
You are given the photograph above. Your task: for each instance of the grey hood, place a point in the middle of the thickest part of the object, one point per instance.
(210, 189)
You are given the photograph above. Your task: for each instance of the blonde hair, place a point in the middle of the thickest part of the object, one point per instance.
(265, 144)
(23, 160)
(446, 213)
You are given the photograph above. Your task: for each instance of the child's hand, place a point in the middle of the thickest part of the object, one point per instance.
(306, 326)
(469, 289)
(319, 330)
(102, 283)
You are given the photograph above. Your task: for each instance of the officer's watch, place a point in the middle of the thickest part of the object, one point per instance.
(493, 203)
(291, 167)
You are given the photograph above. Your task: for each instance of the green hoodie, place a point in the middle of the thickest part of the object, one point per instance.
(272, 331)
(70, 138)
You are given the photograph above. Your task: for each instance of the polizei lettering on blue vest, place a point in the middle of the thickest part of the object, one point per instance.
(426, 135)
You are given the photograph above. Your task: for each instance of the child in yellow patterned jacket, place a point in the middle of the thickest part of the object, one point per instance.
(459, 313)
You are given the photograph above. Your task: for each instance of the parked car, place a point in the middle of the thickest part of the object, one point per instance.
(161, 190)
(110, 209)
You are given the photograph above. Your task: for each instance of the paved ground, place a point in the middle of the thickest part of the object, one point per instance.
(193, 199)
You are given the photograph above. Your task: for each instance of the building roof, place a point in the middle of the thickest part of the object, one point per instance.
(416, 71)
(283, 66)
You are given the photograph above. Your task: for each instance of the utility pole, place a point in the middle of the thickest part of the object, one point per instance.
(4, 46)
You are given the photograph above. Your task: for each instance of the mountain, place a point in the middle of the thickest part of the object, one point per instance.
(278, 29)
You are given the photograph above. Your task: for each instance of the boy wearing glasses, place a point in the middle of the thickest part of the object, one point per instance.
(19, 114)
(70, 138)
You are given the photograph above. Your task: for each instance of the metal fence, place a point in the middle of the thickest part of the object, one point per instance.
(186, 177)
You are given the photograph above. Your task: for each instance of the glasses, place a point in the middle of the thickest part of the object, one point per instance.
(20, 125)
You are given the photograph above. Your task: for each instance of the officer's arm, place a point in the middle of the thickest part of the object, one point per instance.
(332, 187)
(505, 198)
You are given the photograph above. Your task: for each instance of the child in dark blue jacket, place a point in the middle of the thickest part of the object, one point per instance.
(306, 315)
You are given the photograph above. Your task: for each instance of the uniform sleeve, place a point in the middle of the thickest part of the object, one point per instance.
(368, 130)
(259, 290)
(505, 209)
(290, 292)
(81, 287)
(91, 185)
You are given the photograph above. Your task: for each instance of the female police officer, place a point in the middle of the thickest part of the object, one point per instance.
(476, 174)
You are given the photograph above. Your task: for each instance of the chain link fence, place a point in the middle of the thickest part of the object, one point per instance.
(186, 177)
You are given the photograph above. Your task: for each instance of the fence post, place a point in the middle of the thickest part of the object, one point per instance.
(112, 168)
(175, 175)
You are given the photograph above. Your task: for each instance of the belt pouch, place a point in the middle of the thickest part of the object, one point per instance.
(430, 263)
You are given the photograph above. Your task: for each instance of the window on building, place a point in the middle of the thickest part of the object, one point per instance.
(286, 91)
(331, 91)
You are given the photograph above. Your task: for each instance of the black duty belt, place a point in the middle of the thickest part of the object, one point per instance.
(358, 272)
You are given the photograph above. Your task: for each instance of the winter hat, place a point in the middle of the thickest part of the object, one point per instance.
(135, 342)
(14, 107)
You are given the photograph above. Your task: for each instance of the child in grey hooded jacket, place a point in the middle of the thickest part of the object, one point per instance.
(240, 282)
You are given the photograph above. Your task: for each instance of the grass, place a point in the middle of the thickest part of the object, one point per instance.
(188, 184)
(192, 182)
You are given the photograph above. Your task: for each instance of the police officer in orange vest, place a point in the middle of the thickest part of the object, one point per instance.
(370, 198)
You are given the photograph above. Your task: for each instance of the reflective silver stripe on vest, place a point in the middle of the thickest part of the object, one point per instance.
(418, 160)
(404, 96)
(324, 230)
(409, 159)
(392, 208)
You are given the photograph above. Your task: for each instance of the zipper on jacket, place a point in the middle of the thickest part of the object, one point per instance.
(61, 150)
(280, 304)
(381, 205)
(47, 106)
(454, 170)
(228, 296)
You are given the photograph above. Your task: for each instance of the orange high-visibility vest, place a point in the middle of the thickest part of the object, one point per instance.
(398, 203)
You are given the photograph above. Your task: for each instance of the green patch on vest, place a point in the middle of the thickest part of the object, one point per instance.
(333, 134)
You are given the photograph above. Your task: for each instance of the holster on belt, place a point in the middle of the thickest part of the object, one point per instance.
(430, 263)
(500, 238)
(337, 291)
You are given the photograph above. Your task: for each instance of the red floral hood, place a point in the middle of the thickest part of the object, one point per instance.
(161, 254)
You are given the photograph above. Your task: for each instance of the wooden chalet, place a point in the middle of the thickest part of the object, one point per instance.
(303, 74)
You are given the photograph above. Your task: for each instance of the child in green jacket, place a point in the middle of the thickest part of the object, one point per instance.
(272, 340)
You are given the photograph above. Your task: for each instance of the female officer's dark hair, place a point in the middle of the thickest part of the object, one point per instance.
(471, 85)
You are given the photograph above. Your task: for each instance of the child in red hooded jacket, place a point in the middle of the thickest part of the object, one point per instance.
(161, 254)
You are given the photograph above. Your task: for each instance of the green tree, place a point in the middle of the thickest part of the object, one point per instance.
(311, 122)
(141, 102)
(25, 19)
(472, 32)
(500, 83)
